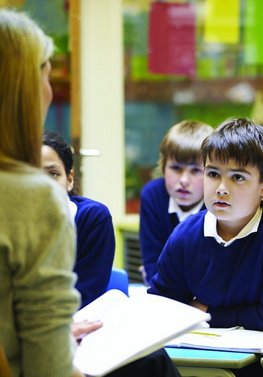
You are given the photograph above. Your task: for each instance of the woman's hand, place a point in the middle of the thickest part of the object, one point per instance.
(80, 329)
(198, 305)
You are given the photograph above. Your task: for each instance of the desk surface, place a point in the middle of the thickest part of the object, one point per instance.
(130, 223)
(190, 357)
(210, 358)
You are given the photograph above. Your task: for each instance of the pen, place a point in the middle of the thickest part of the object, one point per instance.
(220, 333)
(205, 333)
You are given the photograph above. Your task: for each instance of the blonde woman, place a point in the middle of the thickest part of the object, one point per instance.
(37, 241)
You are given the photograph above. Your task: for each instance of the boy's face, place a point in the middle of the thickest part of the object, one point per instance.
(232, 193)
(53, 166)
(184, 183)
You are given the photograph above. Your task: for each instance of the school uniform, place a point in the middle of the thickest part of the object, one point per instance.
(225, 276)
(159, 215)
(95, 247)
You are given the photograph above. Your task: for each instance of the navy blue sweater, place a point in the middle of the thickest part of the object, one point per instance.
(229, 280)
(156, 224)
(95, 248)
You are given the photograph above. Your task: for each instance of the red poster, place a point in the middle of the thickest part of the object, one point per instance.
(171, 39)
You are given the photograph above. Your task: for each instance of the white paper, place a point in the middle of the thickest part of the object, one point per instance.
(228, 339)
(132, 328)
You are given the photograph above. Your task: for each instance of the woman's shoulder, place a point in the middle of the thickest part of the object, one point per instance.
(32, 188)
(41, 185)
(30, 181)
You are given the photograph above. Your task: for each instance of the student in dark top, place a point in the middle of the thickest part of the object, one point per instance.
(95, 234)
(168, 200)
(95, 252)
(214, 259)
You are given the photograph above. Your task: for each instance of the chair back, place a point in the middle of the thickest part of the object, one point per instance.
(119, 280)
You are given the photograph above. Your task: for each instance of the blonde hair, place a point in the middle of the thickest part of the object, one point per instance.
(183, 143)
(24, 49)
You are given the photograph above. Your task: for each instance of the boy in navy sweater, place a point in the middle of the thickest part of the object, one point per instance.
(95, 233)
(214, 259)
(168, 200)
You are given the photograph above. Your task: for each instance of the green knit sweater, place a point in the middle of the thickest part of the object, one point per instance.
(37, 298)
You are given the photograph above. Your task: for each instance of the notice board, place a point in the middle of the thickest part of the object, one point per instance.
(171, 39)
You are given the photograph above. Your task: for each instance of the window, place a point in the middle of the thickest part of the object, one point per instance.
(221, 78)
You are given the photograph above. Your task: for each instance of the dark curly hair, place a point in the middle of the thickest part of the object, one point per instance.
(63, 150)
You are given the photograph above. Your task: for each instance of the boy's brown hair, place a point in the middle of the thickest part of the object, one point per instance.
(239, 139)
(183, 143)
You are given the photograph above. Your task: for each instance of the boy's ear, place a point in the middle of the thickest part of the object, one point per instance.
(70, 179)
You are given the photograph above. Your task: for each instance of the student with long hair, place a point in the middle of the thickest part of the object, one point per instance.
(37, 240)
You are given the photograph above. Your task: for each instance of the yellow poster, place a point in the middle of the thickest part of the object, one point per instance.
(12, 3)
(222, 21)
(253, 42)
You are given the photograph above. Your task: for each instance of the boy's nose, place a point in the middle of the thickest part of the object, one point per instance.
(221, 189)
(184, 179)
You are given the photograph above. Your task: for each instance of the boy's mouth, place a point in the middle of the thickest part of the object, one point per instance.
(221, 204)
(183, 191)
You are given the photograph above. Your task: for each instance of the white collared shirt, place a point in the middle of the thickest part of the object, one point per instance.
(211, 231)
(72, 209)
(174, 208)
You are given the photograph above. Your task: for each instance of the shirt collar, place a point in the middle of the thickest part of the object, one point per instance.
(174, 208)
(72, 209)
(210, 228)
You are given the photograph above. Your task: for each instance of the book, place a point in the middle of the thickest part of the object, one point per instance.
(133, 327)
(226, 339)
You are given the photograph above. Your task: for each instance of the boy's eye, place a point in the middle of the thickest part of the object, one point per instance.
(212, 174)
(54, 174)
(238, 178)
(175, 167)
(196, 170)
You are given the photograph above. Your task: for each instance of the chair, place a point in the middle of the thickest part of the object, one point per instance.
(119, 280)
